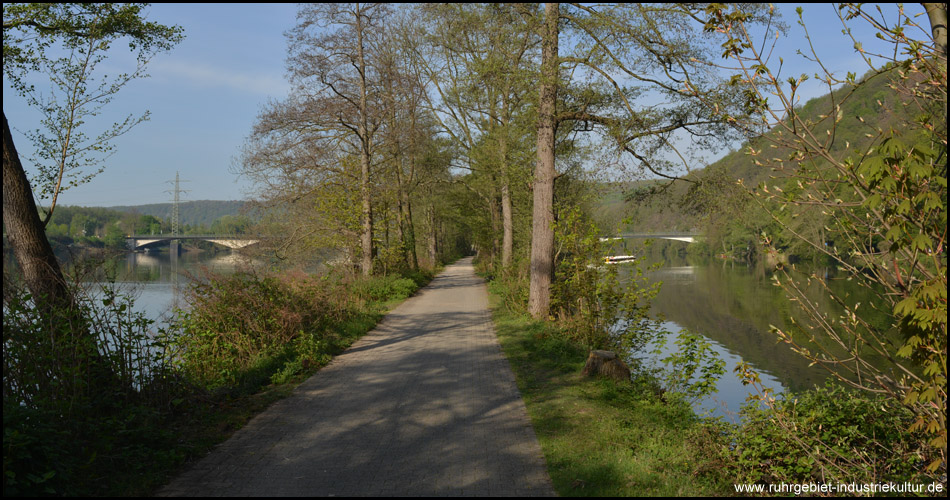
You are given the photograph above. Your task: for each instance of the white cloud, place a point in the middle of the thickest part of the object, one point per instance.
(205, 75)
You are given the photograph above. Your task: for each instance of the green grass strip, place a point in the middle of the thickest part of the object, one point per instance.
(602, 438)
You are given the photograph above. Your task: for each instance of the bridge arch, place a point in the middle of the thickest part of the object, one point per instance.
(684, 237)
(139, 242)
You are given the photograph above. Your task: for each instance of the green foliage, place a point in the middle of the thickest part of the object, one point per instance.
(384, 288)
(33, 460)
(231, 224)
(196, 213)
(732, 219)
(108, 452)
(421, 277)
(309, 351)
(599, 437)
(73, 24)
(34, 37)
(110, 226)
(588, 297)
(82, 389)
(114, 411)
(239, 325)
(694, 368)
(65, 361)
(251, 327)
(825, 435)
(513, 290)
(882, 202)
(91, 226)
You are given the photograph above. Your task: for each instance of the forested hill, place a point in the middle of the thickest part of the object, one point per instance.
(697, 205)
(195, 213)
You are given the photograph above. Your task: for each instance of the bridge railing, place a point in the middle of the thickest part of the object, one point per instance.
(194, 236)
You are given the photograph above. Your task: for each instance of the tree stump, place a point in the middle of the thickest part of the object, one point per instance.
(606, 364)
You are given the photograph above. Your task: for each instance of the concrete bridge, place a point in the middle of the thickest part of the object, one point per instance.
(143, 241)
(621, 259)
(686, 237)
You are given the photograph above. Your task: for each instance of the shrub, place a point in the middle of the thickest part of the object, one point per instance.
(238, 322)
(824, 435)
(588, 297)
(83, 389)
(384, 288)
(513, 291)
(421, 277)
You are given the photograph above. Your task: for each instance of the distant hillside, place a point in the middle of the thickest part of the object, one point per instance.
(685, 206)
(652, 207)
(201, 212)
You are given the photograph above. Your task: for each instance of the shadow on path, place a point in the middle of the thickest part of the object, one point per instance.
(423, 405)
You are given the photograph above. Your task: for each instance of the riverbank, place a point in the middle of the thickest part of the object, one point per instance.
(604, 438)
(601, 437)
(131, 443)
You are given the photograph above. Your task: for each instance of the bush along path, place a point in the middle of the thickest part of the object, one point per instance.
(424, 405)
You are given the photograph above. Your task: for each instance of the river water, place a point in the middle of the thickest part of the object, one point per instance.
(733, 306)
(159, 280)
(730, 304)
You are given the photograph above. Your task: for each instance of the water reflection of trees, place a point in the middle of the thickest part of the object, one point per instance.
(167, 268)
(735, 306)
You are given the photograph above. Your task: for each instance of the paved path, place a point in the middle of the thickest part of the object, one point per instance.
(424, 405)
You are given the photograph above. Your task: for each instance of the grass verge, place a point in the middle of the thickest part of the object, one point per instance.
(599, 437)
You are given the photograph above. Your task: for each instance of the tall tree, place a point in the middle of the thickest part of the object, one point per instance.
(353, 106)
(307, 183)
(407, 130)
(332, 63)
(479, 64)
(637, 59)
(29, 31)
(542, 225)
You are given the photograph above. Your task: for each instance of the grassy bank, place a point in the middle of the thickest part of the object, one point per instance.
(602, 438)
(248, 341)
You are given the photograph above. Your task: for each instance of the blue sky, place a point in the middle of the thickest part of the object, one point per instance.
(205, 95)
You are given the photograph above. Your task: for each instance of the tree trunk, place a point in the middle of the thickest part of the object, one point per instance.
(401, 232)
(494, 209)
(507, 241)
(433, 249)
(397, 153)
(937, 14)
(41, 271)
(410, 225)
(542, 224)
(86, 372)
(366, 236)
(411, 234)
